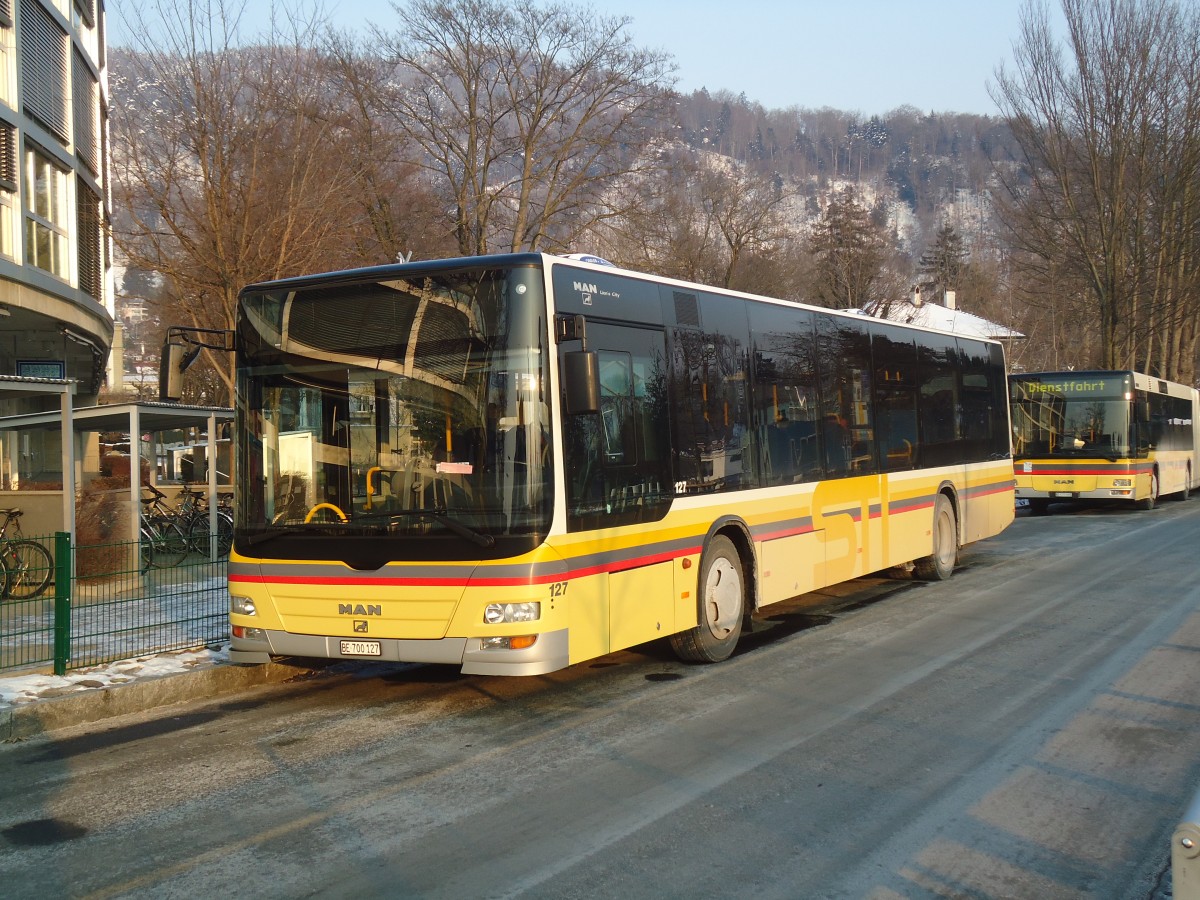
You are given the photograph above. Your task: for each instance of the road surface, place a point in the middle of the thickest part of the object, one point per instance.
(1027, 729)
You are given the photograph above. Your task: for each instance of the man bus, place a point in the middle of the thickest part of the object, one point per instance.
(1111, 436)
(516, 463)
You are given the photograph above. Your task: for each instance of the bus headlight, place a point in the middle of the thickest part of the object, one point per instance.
(243, 606)
(504, 613)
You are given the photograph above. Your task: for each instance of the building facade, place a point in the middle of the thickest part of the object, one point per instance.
(56, 307)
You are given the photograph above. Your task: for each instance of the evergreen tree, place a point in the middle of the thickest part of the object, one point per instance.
(943, 265)
(849, 252)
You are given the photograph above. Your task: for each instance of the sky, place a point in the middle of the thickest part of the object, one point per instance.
(868, 56)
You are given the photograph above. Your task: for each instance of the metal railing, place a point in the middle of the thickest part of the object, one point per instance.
(115, 607)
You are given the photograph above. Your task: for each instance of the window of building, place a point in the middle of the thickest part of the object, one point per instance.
(83, 24)
(88, 234)
(86, 94)
(8, 186)
(7, 93)
(45, 215)
(84, 13)
(44, 68)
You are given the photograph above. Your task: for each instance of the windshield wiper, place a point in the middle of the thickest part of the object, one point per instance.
(440, 515)
(268, 534)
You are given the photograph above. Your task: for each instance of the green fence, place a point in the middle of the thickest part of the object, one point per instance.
(115, 607)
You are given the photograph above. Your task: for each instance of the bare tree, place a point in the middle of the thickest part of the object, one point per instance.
(701, 217)
(745, 209)
(663, 228)
(527, 114)
(400, 214)
(226, 170)
(1106, 127)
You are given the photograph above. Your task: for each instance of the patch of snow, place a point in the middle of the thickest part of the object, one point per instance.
(17, 690)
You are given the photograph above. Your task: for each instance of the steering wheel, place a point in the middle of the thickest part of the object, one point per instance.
(320, 506)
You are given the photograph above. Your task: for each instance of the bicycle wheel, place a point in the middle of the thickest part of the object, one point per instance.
(224, 533)
(170, 543)
(199, 535)
(146, 548)
(30, 567)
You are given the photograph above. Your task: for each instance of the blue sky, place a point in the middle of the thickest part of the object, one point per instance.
(868, 56)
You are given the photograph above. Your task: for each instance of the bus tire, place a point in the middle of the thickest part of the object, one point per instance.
(721, 602)
(1039, 507)
(1149, 501)
(939, 565)
(1187, 486)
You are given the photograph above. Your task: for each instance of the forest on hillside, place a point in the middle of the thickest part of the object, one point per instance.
(473, 128)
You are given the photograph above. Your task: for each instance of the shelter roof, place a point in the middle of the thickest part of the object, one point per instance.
(117, 417)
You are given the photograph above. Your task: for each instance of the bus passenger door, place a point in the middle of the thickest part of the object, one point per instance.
(615, 460)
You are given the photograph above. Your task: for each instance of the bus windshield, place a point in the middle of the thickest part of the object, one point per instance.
(409, 406)
(1071, 417)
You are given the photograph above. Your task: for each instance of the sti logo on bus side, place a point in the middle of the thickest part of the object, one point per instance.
(359, 609)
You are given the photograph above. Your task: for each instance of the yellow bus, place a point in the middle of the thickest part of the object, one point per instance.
(1101, 435)
(516, 463)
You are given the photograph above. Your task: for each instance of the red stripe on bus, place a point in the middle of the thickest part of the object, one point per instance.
(400, 581)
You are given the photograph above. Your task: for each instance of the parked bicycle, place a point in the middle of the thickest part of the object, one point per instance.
(28, 565)
(193, 514)
(164, 542)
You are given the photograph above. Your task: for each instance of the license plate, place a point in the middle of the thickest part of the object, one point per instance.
(361, 648)
(1062, 494)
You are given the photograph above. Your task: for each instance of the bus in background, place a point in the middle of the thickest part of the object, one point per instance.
(516, 463)
(1114, 436)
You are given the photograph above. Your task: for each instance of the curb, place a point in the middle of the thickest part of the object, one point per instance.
(94, 705)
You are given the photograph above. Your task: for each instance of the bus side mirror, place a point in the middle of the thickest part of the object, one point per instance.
(581, 382)
(1143, 411)
(170, 373)
(174, 361)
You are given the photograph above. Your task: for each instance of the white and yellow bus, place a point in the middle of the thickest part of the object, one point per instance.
(1112, 436)
(516, 463)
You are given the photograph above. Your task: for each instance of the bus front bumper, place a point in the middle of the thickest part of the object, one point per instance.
(548, 654)
(1104, 493)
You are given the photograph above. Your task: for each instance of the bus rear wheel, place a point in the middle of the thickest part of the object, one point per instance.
(939, 565)
(1187, 486)
(721, 598)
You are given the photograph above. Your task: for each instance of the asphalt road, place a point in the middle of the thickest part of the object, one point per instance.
(1027, 729)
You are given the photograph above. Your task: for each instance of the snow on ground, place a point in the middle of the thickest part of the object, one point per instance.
(19, 689)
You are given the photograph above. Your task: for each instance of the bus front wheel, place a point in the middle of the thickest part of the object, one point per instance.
(1150, 499)
(721, 598)
(939, 565)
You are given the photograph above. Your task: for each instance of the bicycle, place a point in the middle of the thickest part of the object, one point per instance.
(193, 514)
(28, 565)
(164, 543)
